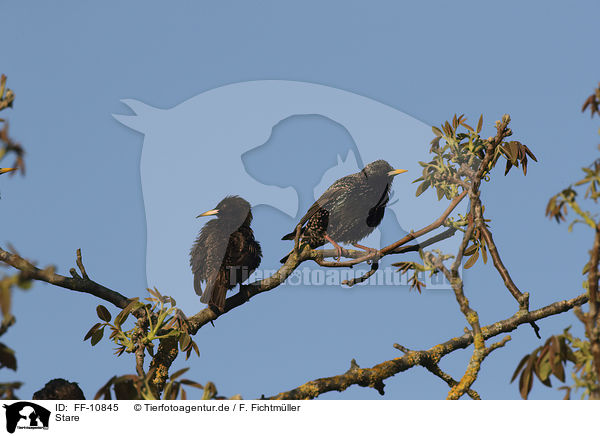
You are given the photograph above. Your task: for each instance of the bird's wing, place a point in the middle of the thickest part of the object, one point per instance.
(334, 193)
(337, 192)
(207, 255)
(214, 260)
(245, 251)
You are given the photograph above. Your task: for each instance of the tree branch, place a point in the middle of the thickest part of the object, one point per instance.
(75, 283)
(405, 249)
(305, 253)
(373, 377)
(591, 320)
(508, 282)
(360, 256)
(434, 368)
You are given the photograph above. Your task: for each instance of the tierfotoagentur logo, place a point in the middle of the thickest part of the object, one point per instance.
(278, 145)
(24, 415)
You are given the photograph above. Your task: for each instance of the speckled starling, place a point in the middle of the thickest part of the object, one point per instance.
(225, 252)
(59, 389)
(350, 209)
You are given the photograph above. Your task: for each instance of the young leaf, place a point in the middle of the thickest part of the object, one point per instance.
(7, 358)
(103, 313)
(91, 331)
(178, 373)
(97, 336)
(471, 261)
(519, 366)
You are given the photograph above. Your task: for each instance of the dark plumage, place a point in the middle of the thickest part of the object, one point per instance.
(59, 389)
(225, 252)
(350, 209)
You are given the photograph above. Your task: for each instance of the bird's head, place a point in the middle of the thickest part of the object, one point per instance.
(232, 209)
(381, 168)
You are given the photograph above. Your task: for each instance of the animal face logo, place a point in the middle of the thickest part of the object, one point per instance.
(24, 414)
(278, 144)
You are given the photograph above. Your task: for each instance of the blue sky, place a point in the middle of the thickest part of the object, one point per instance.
(71, 64)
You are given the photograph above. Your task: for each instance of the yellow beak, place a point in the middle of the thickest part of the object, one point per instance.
(210, 212)
(396, 172)
(6, 170)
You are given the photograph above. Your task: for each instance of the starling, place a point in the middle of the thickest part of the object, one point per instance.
(349, 210)
(225, 252)
(59, 389)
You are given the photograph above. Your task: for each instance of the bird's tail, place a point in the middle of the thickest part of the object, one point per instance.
(216, 291)
(218, 297)
(198, 284)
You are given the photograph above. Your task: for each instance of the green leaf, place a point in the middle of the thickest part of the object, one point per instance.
(484, 254)
(5, 301)
(558, 370)
(422, 188)
(436, 131)
(526, 380)
(131, 307)
(184, 341)
(440, 193)
(480, 123)
(470, 250)
(178, 373)
(91, 331)
(7, 358)
(519, 366)
(545, 371)
(471, 261)
(192, 383)
(97, 336)
(103, 313)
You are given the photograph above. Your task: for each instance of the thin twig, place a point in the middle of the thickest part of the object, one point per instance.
(404, 249)
(80, 265)
(370, 376)
(437, 371)
(75, 283)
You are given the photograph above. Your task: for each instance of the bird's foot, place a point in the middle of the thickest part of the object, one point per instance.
(369, 250)
(337, 247)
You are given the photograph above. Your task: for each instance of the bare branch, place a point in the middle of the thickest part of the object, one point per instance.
(374, 376)
(80, 264)
(473, 369)
(434, 225)
(436, 370)
(78, 284)
(591, 320)
(364, 277)
(433, 368)
(360, 256)
(305, 253)
(508, 282)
